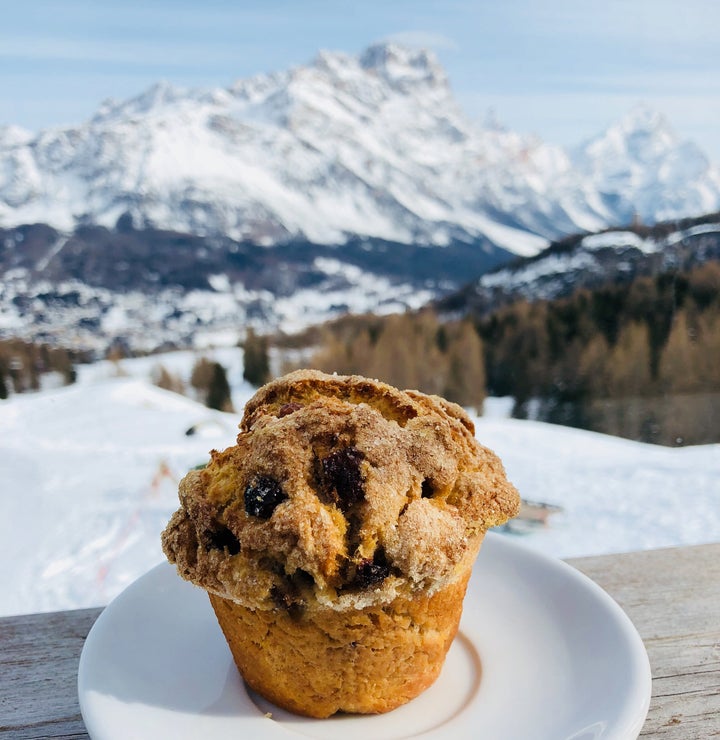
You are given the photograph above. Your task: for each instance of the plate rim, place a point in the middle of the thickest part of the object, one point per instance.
(633, 721)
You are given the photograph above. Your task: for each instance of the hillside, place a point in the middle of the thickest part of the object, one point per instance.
(605, 258)
(146, 289)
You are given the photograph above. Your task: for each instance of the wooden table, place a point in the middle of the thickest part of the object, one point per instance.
(672, 596)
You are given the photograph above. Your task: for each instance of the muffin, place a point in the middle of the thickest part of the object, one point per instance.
(337, 537)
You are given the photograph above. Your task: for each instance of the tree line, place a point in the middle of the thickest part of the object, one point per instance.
(653, 338)
(627, 359)
(656, 335)
(411, 350)
(23, 365)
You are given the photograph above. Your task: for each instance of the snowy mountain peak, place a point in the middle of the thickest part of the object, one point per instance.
(643, 135)
(645, 139)
(643, 118)
(403, 66)
(156, 98)
(332, 61)
(641, 167)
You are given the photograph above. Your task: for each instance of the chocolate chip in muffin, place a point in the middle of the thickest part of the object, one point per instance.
(221, 538)
(262, 497)
(288, 594)
(342, 477)
(370, 572)
(427, 490)
(285, 600)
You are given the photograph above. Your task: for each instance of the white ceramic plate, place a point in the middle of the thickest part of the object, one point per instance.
(542, 654)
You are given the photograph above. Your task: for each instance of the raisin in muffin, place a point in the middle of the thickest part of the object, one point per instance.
(336, 539)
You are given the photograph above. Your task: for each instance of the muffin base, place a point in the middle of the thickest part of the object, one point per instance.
(367, 661)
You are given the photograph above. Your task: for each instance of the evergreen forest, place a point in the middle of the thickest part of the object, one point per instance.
(640, 360)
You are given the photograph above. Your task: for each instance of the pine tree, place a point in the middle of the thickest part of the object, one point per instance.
(707, 348)
(406, 354)
(256, 364)
(629, 364)
(62, 363)
(392, 360)
(690, 360)
(465, 378)
(593, 367)
(201, 377)
(218, 395)
(163, 378)
(332, 357)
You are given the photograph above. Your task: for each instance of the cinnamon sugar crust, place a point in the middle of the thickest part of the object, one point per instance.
(341, 493)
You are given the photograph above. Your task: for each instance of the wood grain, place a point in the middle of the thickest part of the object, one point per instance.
(39, 657)
(672, 596)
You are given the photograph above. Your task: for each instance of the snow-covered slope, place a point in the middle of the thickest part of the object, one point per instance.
(373, 145)
(73, 313)
(607, 257)
(90, 478)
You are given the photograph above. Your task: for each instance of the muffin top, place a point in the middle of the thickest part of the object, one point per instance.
(341, 492)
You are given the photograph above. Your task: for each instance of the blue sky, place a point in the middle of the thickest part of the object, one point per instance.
(562, 69)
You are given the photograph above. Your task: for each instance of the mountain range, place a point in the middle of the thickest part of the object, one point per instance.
(345, 147)
(354, 183)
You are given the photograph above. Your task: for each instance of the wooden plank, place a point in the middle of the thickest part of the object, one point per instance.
(673, 598)
(39, 657)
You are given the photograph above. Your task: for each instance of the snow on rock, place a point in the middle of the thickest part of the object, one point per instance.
(642, 165)
(618, 240)
(91, 471)
(593, 259)
(527, 275)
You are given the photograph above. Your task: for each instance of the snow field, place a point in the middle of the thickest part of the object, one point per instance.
(90, 477)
